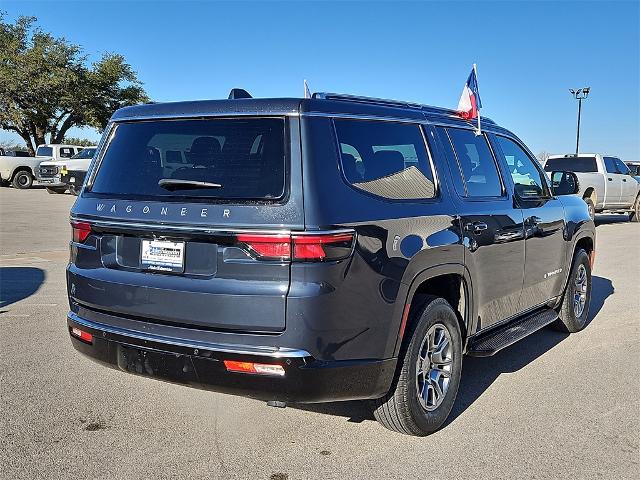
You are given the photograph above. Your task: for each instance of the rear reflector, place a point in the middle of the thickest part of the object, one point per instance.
(82, 335)
(299, 247)
(80, 231)
(250, 367)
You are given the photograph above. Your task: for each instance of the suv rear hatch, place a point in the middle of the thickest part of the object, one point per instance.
(187, 222)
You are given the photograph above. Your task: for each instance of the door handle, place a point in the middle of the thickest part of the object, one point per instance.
(624, 179)
(476, 227)
(610, 179)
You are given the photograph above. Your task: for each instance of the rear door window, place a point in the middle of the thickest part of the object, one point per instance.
(571, 164)
(228, 159)
(387, 159)
(476, 164)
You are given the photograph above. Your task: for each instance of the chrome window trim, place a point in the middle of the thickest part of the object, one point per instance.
(274, 352)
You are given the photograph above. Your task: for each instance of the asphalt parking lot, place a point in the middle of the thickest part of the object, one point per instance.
(551, 406)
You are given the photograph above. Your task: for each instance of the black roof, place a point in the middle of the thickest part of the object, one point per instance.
(321, 103)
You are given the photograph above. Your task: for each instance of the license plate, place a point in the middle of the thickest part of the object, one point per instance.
(46, 180)
(72, 180)
(162, 256)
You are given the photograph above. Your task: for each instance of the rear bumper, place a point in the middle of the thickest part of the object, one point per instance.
(200, 365)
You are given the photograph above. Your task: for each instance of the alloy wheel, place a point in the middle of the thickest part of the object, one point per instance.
(433, 367)
(581, 284)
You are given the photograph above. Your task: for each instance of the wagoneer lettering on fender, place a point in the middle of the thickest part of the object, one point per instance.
(322, 249)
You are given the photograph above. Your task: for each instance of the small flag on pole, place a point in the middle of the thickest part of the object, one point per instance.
(307, 93)
(470, 104)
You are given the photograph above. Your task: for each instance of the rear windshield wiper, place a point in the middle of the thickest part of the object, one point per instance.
(172, 184)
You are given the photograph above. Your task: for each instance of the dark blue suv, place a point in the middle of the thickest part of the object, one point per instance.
(322, 249)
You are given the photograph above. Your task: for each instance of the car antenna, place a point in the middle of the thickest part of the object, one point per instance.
(236, 93)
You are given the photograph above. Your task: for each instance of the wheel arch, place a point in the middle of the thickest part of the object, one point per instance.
(451, 281)
(584, 240)
(22, 168)
(590, 192)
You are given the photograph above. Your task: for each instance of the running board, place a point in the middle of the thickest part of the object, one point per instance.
(489, 343)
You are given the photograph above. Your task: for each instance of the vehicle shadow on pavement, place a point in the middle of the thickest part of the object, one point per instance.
(478, 374)
(606, 219)
(17, 283)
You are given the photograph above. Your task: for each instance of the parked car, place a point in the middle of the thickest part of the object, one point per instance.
(72, 173)
(54, 160)
(18, 170)
(634, 168)
(323, 249)
(14, 153)
(606, 184)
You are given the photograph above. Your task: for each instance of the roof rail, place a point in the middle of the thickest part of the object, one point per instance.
(370, 100)
(388, 103)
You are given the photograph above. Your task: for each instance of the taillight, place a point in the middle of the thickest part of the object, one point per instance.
(80, 231)
(268, 247)
(299, 247)
(322, 247)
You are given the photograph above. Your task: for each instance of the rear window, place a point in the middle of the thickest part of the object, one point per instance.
(386, 159)
(232, 159)
(571, 164)
(44, 152)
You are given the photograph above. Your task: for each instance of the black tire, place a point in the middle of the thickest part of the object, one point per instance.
(22, 179)
(635, 213)
(591, 207)
(53, 190)
(401, 410)
(569, 321)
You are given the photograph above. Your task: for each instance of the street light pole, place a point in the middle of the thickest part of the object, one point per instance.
(579, 94)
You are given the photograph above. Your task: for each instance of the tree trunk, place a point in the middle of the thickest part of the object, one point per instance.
(64, 128)
(28, 141)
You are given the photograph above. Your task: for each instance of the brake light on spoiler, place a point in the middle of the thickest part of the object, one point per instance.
(316, 247)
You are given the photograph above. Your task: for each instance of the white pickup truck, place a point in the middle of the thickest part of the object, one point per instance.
(20, 171)
(606, 184)
(53, 159)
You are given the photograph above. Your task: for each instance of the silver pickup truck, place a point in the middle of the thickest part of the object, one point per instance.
(606, 184)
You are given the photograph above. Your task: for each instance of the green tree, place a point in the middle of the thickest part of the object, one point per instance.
(80, 142)
(47, 86)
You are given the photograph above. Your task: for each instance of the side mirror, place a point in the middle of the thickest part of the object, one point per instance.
(564, 183)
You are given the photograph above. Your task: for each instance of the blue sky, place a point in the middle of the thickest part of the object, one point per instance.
(528, 54)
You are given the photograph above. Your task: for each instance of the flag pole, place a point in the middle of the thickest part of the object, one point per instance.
(475, 70)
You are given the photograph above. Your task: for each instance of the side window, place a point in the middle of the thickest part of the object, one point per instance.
(66, 152)
(527, 178)
(476, 163)
(610, 165)
(386, 159)
(622, 168)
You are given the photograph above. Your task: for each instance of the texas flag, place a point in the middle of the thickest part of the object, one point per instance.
(470, 103)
